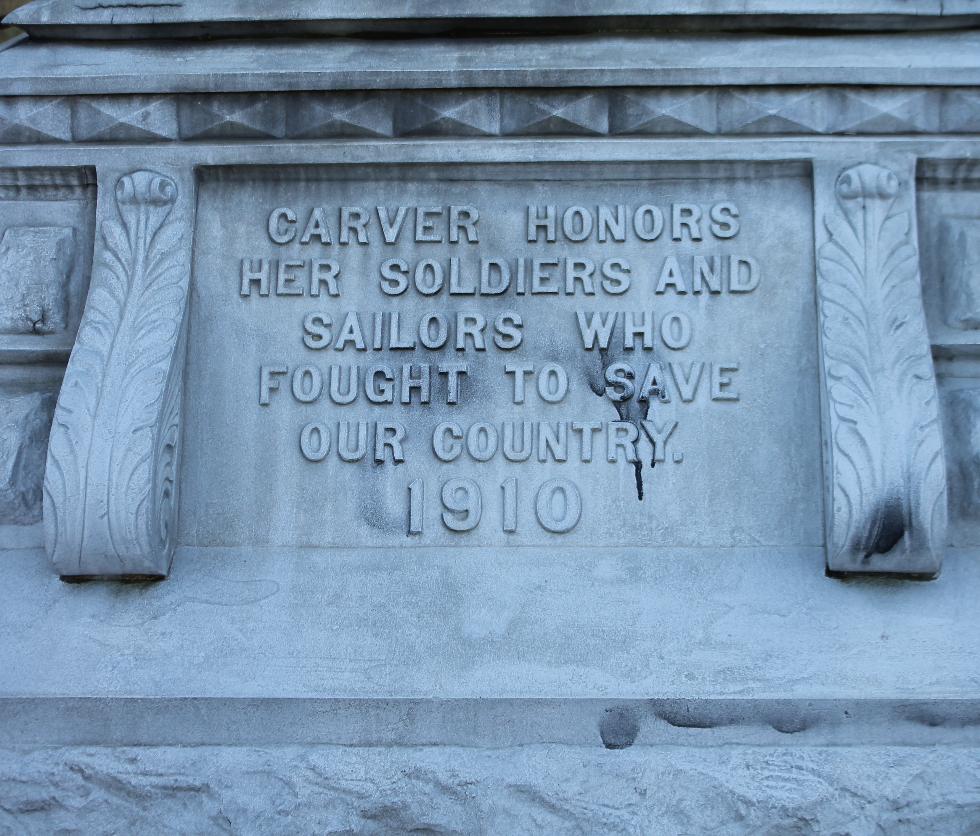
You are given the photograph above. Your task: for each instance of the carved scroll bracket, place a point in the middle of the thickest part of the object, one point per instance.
(885, 476)
(110, 491)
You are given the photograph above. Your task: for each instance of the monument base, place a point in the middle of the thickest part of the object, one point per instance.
(544, 419)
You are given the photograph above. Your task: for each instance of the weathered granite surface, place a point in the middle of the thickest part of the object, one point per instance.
(24, 425)
(861, 790)
(35, 265)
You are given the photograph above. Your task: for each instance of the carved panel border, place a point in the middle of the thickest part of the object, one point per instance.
(110, 484)
(884, 466)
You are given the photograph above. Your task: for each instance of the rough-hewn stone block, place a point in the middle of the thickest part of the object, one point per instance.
(35, 264)
(25, 421)
(961, 271)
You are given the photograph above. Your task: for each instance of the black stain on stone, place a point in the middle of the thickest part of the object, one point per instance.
(684, 716)
(887, 529)
(619, 728)
(130, 580)
(634, 410)
(956, 715)
(789, 723)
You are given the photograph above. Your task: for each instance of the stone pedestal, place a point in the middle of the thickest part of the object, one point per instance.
(490, 420)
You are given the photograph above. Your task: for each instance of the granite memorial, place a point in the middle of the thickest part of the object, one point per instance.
(556, 417)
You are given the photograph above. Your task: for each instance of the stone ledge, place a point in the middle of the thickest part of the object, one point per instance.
(196, 18)
(637, 623)
(57, 69)
(486, 723)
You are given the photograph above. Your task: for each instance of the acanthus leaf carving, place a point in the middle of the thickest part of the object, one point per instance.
(887, 486)
(110, 483)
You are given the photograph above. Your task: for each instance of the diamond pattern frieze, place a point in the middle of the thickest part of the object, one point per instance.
(232, 116)
(677, 111)
(960, 111)
(885, 111)
(125, 119)
(321, 115)
(34, 119)
(663, 111)
(438, 113)
(772, 111)
(535, 113)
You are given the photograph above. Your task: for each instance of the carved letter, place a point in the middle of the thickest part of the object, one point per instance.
(886, 483)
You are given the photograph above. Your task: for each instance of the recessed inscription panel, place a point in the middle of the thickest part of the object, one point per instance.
(592, 355)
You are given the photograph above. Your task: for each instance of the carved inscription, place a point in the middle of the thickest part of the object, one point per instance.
(628, 341)
(474, 363)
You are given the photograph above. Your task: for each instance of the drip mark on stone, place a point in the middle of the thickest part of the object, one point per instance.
(887, 529)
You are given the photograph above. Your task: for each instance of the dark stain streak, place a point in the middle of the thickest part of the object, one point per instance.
(687, 720)
(104, 6)
(632, 411)
(623, 411)
(692, 715)
(789, 725)
(887, 529)
(954, 716)
(619, 728)
(131, 580)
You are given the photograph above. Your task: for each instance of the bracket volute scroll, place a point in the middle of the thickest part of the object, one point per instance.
(884, 469)
(110, 490)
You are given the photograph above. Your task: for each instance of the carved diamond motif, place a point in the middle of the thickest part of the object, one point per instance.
(555, 113)
(232, 116)
(455, 114)
(772, 112)
(961, 111)
(886, 111)
(35, 119)
(664, 112)
(312, 115)
(125, 118)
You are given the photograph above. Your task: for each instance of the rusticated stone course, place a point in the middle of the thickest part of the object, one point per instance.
(440, 790)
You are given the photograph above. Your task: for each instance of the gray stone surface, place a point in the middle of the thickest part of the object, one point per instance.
(141, 67)
(489, 723)
(458, 623)
(861, 790)
(196, 18)
(886, 501)
(111, 480)
(25, 420)
(961, 275)
(632, 111)
(46, 218)
(35, 267)
(963, 417)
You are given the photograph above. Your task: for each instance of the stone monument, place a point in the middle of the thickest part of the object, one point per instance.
(553, 416)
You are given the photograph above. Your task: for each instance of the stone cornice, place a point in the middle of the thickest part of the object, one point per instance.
(58, 68)
(70, 19)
